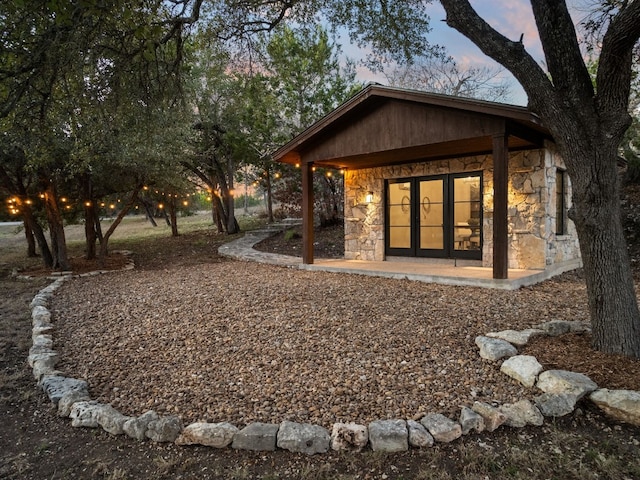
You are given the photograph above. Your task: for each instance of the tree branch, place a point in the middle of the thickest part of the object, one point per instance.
(512, 55)
(613, 78)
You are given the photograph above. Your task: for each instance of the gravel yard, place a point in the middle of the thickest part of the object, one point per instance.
(244, 342)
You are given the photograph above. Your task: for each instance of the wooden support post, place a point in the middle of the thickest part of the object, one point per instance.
(307, 213)
(500, 200)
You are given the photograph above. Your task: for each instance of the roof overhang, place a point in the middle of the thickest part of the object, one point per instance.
(385, 126)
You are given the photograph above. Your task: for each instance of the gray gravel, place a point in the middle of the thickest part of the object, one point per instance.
(244, 342)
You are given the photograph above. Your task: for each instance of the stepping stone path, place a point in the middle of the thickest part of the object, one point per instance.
(561, 391)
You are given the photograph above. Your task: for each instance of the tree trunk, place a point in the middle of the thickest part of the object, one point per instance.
(219, 215)
(104, 245)
(90, 231)
(147, 209)
(31, 241)
(615, 318)
(56, 230)
(36, 229)
(171, 206)
(232, 223)
(269, 197)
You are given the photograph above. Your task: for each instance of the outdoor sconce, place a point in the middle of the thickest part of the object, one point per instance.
(368, 198)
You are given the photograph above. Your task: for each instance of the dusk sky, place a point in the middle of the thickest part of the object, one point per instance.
(512, 18)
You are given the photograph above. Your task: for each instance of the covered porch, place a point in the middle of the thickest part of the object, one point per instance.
(383, 126)
(437, 272)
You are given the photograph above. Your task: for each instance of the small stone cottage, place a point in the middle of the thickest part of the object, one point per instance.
(431, 176)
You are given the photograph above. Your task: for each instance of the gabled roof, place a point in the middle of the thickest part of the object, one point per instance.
(385, 125)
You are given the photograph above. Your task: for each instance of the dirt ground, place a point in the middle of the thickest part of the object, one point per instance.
(36, 444)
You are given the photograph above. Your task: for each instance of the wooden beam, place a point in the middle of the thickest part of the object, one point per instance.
(307, 212)
(500, 200)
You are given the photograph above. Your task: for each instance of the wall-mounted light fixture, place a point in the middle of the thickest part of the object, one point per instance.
(369, 197)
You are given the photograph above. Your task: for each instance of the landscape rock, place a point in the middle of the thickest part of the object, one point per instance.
(349, 436)
(49, 356)
(623, 405)
(419, 436)
(56, 386)
(85, 414)
(43, 340)
(494, 348)
(563, 381)
(218, 435)
(111, 420)
(303, 438)
(517, 337)
(137, 427)
(68, 399)
(555, 404)
(523, 368)
(493, 417)
(521, 414)
(45, 367)
(441, 428)
(164, 429)
(560, 327)
(388, 436)
(256, 436)
(40, 300)
(40, 316)
(470, 420)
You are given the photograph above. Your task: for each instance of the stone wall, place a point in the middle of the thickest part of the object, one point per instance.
(532, 206)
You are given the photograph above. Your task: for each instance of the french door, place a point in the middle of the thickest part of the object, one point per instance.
(437, 216)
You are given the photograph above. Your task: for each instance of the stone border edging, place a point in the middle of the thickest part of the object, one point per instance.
(562, 390)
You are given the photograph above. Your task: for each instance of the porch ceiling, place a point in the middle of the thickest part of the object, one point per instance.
(385, 126)
(436, 151)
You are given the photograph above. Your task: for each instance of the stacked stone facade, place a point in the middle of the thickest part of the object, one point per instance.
(533, 243)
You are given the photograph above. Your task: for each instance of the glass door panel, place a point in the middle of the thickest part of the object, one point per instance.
(431, 211)
(467, 221)
(399, 210)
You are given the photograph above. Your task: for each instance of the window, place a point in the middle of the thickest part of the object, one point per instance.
(561, 202)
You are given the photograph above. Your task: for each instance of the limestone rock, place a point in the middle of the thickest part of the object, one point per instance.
(45, 367)
(84, 414)
(517, 337)
(493, 417)
(623, 405)
(560, 327)
(441, 428)
(349, 436)
(49, 356)
(419, 436)
(555, 404)
(563, 381)
(218, 435)
(68, 399)
(111, 420)
(256, 436)
(164, 429)
(40, 316)
(137, 427)
(388, 436)
(43, 340)
(494, 348)
(303, 438)
(40, 300)
(523, 368)
(56, 386)
(521, 414)
(470, 420)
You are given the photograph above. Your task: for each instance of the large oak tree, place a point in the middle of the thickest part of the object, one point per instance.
(588, 123)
